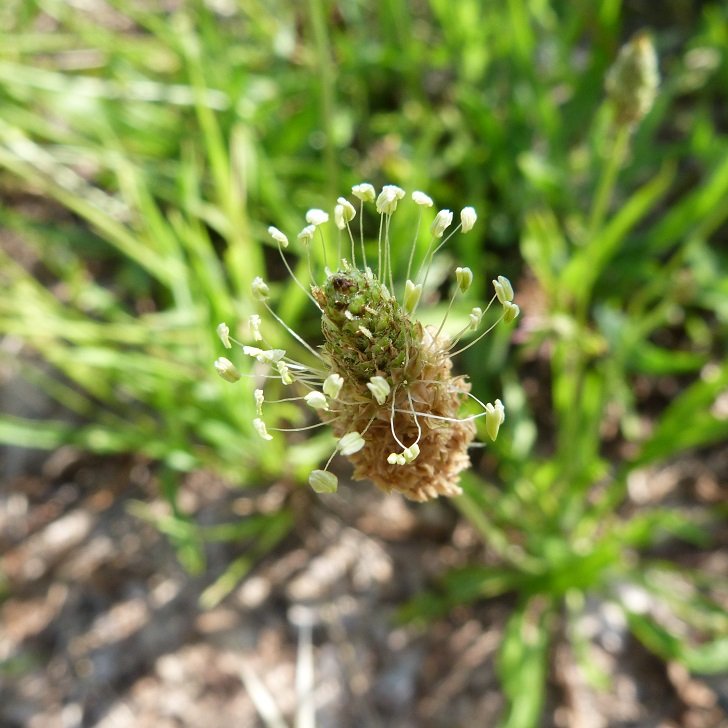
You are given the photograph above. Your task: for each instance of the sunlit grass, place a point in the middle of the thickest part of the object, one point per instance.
(163, 144)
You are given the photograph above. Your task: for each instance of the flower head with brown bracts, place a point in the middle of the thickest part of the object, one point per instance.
(382, 380)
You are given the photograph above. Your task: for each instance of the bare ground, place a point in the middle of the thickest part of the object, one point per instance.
(100, 626)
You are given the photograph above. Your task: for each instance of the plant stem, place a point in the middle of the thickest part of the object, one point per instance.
(325, 69)
(605, 189)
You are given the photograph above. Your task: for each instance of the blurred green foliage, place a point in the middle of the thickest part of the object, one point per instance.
(164, 142)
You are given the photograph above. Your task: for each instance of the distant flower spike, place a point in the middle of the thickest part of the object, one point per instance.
(382, 380)
(633, 80)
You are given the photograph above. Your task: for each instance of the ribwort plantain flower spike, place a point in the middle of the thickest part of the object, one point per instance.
(633, 80)
(381, 379)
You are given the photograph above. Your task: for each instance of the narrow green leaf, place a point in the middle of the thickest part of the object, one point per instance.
(522, 664)
(691, 420)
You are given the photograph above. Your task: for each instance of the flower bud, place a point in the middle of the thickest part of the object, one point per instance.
(380, 389)
(261, 292)
(468, 216)
(332, 385)
(278, 236)
(464, 278)
(316, 217)
(350, 443)
(503, 289)
(322, 481)
(260, 428)
(494, 417)
(227, 370)
(364, 192)
(388, 199)
(412, 295)
(441, 223)
(224, 333)
(420, 198)
(510, 312)
(317, 400)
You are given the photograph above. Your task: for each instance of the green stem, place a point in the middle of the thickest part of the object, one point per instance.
(575, 360)
(325, 69)
(605, 189)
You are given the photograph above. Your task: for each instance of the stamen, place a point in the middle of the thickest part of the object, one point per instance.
(323, 247)
(351, 238)
(417, 423)
(414, 244)
(293, 275)
(388, 249)
(391, 422)
(475, 341)
(447, 313)
(379, 247)
(361, 233)
(298, 429)
(292, 332)
(434, 252)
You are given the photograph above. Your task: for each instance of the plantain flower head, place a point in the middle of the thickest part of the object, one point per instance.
(382, 380)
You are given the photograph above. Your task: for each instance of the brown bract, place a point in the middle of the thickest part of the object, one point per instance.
(443, 444)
